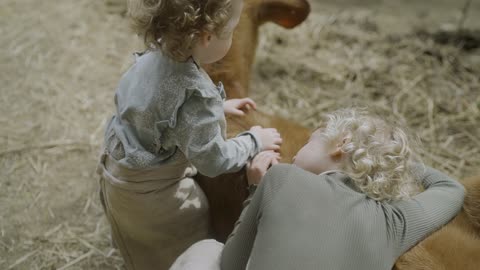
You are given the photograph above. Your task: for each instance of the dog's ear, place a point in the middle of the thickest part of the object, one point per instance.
(286, 13)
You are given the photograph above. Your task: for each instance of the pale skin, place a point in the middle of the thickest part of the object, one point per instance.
(238, 106)
(319, 155)
(211, 48)
(316, 156)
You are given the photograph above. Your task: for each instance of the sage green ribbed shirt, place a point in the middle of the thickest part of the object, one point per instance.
(299, 220)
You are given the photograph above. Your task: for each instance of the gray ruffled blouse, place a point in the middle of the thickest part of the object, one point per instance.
(168, 111)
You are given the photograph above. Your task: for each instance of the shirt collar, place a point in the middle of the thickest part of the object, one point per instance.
(330, 172)
(195, 62)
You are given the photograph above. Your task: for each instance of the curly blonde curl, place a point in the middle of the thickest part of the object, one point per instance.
(175, 25)
(377, 155)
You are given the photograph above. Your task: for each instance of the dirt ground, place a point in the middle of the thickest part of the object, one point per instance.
(60, 62)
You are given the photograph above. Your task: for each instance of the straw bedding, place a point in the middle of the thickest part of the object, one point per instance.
(60, 62)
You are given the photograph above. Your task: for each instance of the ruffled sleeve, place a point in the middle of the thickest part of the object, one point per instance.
(197, 133)
(175, 92)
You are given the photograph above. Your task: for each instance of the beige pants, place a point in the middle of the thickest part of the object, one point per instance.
(155, 214)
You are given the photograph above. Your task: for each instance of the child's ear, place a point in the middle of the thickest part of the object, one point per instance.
(337, 152)
(205, 39)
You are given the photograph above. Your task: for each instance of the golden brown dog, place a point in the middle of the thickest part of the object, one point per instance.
(455, 246)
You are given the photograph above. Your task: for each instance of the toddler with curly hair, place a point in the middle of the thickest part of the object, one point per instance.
(169, 124)
(349, 201)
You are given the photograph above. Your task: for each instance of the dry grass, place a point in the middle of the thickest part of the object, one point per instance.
(60, 62)
(346, 61)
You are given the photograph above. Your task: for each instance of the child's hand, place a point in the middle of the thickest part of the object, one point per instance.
(257, 168)
(234, 106)
(269, 137)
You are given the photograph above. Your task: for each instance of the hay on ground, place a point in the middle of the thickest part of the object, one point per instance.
(60, 62)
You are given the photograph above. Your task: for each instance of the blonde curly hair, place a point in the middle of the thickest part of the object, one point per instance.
(377, 155)
(175, 25)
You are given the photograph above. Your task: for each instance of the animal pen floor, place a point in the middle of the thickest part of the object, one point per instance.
(60, 62)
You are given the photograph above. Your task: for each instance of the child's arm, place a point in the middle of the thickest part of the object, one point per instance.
(426, 212)
(198, 135)
(238, 247)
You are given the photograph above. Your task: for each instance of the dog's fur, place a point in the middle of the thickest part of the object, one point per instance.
(454, 247)
(235, 68)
